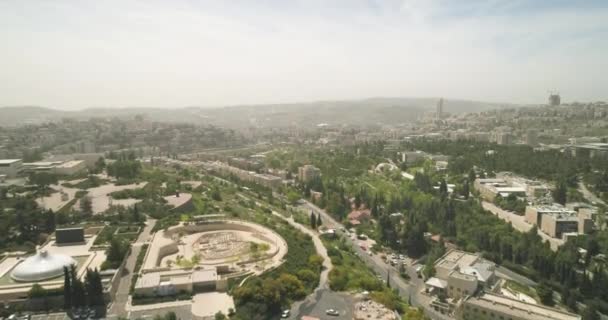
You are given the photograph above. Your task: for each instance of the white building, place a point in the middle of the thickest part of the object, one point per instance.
(10, 167)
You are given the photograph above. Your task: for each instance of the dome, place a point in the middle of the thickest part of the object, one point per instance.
(41, 266)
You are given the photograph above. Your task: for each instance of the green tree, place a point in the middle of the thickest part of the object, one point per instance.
(560, 193)
(67, 289)
(313, 220)
(86, 205)
(590, 313)
(545, 293)
(94, 288)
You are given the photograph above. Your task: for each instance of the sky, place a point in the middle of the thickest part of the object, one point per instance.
(151, 53)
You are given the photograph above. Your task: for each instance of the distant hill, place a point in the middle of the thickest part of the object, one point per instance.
(355, 112)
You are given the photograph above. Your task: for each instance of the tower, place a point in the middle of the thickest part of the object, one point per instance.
(554, 99)
(439, 111)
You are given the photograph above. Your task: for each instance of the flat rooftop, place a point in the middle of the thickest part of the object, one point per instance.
(457, 258)
(519, 309)
(9, 161)
(70, 164)
(553, 209)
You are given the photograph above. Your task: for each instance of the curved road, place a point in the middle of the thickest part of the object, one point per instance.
(298, 307)
(408, 290)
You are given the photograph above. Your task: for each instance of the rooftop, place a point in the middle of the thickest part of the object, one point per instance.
(457, 258)
(9, 161)
(70, 164)
(519, 309)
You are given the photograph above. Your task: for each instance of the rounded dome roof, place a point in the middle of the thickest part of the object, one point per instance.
(41, 266)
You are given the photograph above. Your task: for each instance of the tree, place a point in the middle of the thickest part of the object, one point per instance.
(43, 179)
(443, 187)
(86, 205)
(115, 253)
(136, 215)
(67, 290)
(590, 313)
(94, 288)
(293, 197)
(545, 293)
(220, 316)
(319, 221)
(78, 291)
(560, 193)
(472, 175)
(37, 291)
(313, 220)
(50, 221)
(466, 189)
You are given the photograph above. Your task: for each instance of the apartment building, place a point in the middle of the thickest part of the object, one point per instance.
(308, 173)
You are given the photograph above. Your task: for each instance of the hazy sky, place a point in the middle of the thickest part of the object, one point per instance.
(75, 54)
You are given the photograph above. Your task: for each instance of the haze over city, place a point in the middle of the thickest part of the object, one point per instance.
(303, 160)
(78, 54)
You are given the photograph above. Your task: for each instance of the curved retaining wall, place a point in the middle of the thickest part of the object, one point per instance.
(169, 246)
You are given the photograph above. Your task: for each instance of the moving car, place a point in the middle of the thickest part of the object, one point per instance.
(285, 314)
(332, 312)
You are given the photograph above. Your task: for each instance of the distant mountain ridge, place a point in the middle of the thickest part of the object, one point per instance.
(358, 112)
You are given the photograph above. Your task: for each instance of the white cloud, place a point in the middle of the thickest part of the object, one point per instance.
(144, 53)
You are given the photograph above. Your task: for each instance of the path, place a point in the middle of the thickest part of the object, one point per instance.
(118, 307)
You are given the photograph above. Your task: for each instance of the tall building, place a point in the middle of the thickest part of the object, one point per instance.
(439, 111)
(554, 99)
(308, 173)
(531, 137)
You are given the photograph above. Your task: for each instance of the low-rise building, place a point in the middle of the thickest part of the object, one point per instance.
(173, 282)
(492, 307)
(70, 167)
(459, 274)
(489, 189)
(10, 167)
(556, 220)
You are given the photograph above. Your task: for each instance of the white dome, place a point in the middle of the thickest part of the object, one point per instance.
(41, 266)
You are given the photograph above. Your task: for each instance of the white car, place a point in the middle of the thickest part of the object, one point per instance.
(285, 314)
(332, 312)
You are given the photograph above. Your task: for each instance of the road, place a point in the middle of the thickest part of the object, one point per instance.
(117, 308)
(411, 290)
(322, 292)
(519, 223)
(588, 194)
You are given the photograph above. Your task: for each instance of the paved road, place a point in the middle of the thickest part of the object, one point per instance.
(519, 223)
(300, 308)
(588, 194)
(122, 294)
(408, 290)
